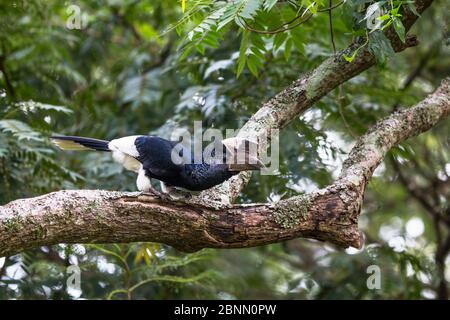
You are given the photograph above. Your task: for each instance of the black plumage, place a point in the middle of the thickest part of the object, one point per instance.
(190, 176)
(152, 156)
(94, 144)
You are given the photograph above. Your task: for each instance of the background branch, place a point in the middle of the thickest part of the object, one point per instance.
(277, 112)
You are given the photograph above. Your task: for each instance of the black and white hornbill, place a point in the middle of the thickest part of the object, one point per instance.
(151, 157)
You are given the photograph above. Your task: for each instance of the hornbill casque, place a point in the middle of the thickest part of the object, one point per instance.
(151, 157)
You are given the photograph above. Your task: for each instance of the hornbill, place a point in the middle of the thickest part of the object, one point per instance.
(151, 157)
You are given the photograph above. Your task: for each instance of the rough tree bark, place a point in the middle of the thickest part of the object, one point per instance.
(331, 214)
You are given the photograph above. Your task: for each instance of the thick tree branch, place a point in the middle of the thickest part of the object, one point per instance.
(305, 91)
(331, 214)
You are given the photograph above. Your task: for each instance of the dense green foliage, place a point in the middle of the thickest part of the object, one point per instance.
(147, 67)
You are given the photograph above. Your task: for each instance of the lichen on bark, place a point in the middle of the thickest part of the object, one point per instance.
(12, 224)
(289, 213)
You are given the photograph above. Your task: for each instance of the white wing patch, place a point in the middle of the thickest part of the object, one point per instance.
(124, 152)
(125, 145)
(143, 182)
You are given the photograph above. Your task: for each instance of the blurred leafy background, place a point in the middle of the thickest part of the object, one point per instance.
(149, 67)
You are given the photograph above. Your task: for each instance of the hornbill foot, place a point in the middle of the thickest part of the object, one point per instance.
(175, 193)
(179, 194)
(152, 192)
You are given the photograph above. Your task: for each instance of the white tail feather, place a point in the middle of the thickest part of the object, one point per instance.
(69, 145)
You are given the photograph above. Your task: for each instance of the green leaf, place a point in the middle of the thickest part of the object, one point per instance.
(394, 11)
(288, 48)
(236, 10)
(384, 17)
(32, 106)
(347, 16)
(253, 63)
(352, 57)
(312, 6)
(19, 129)
(147, 31)
(412, 7)
(387, 24)
(243, 53)
(250, 8)
(399, 29)
(185, 53)
(279, 39)
(380, 46)
(268, 4)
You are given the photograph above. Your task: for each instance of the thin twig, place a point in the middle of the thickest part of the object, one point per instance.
(340, 96)
(418, 194)
(330, 19)
(277, 30)
(330, 8)
(282, 28)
